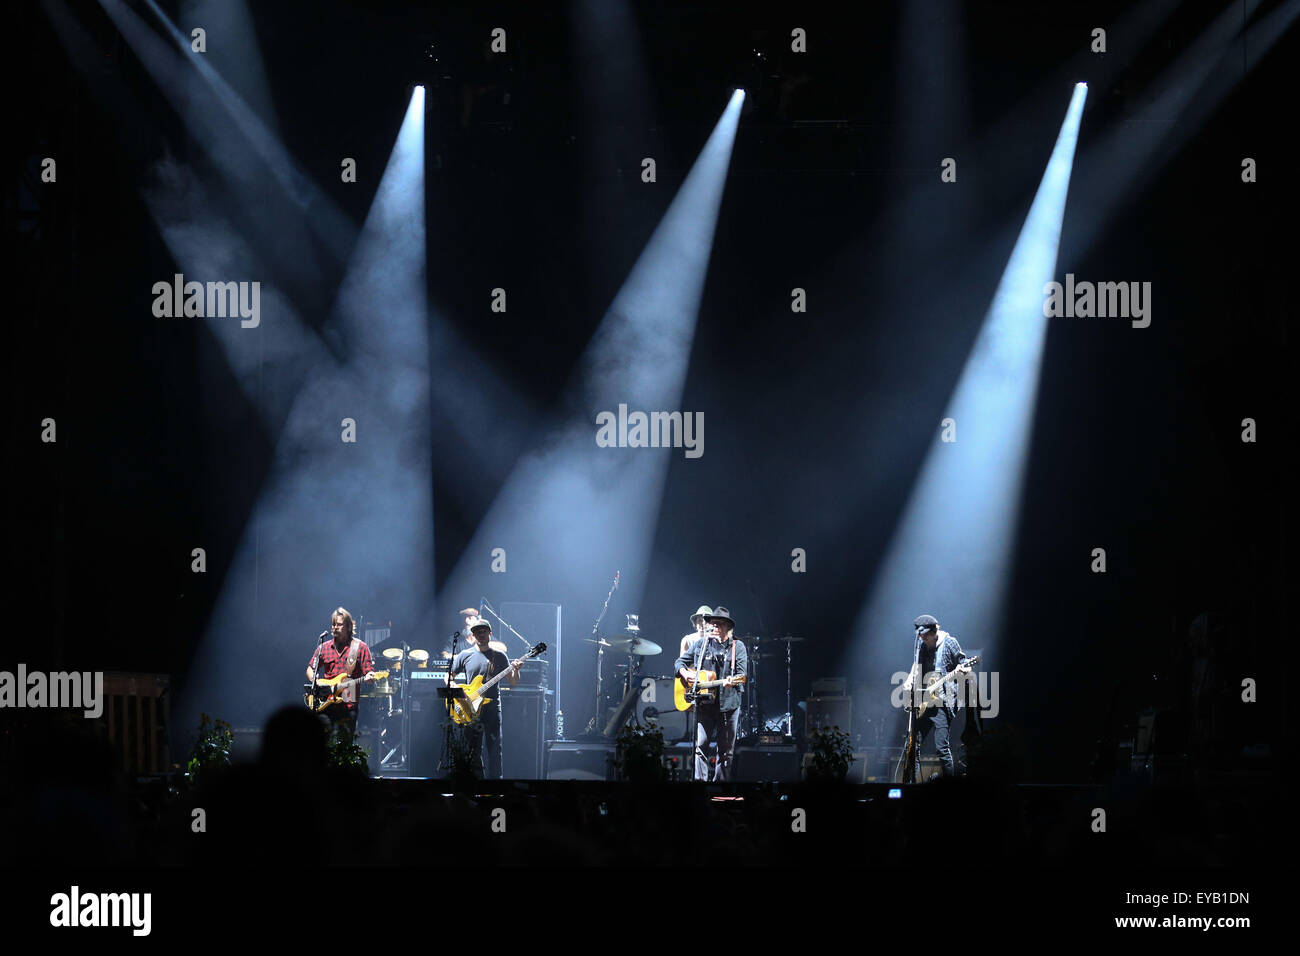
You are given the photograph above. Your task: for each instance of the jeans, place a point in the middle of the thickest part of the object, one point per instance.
(717, 727)
(940, 720)
(486, 732)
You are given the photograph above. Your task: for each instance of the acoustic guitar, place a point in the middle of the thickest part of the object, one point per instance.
(703, 688)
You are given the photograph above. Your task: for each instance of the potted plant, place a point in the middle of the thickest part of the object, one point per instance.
(343, 752)
(832, 754)
(212, 749)
(464, 761)
(638, 754)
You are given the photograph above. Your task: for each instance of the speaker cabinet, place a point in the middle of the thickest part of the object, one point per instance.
(425, 746)
(827, 713)
(523, 717)
(574, 760)
(762, 764)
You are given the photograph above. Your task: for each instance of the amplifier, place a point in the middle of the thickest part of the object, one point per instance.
(761, 764)
(930, 766)
(523, 718)
(533, 674)
(826, 713)
(424, 747)
(577, 760)
(863, 769)
(427, 680)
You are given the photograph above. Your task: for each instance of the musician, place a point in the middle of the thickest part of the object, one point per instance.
(697, 621)
(343, 654)
(483, 660)
(470, 615)
(937, 653)
(718, 717)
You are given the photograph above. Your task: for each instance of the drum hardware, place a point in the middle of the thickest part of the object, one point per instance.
(634, 646)
(600, 655)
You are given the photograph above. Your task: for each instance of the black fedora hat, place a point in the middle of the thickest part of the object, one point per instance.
(721, 613)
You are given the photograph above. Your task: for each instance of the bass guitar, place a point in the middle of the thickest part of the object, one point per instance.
(464, 710)
(331, 690)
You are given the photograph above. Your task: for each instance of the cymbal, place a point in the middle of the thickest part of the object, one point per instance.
(393, 653)
(637, 645)
(786, 640)
(497, 646)
(602, 642)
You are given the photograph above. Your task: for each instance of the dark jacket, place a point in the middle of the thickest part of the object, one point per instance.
(710, 654)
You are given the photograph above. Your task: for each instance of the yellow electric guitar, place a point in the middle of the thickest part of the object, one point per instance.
(330, 691)
(465, 710)
(703, 688)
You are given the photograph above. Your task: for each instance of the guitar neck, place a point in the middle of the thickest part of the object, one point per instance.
(969, 662)
(503, 673)
(714, 683)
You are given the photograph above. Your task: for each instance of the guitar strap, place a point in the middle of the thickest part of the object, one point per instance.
(349, 691)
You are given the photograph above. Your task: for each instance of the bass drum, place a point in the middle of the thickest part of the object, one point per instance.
(661, 713)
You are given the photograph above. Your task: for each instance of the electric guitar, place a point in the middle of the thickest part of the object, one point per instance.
(465, 710)
(707, 680)
(930, 697)
(333, 688)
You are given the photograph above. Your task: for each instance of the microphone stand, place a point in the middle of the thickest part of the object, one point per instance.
(406, 708)
(753, 713)
(911, 749)
(600, 657)
(315, 677)
(446, 699)
(693, 696)
(504, 623)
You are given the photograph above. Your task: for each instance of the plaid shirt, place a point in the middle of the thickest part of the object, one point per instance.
(947, 654)
(336, 662)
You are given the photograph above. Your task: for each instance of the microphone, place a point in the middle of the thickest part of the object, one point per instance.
(323, 634)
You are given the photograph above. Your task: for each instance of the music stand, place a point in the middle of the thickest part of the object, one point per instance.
(447, 695)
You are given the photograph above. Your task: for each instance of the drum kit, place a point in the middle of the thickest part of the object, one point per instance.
(655, 708)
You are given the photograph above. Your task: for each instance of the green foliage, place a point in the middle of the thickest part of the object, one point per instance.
(464, 752)
(343, 752)
(638, 754)
(832, 753)
(211, 750)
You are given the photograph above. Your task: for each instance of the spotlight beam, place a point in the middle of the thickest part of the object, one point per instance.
(951, 552)
(573, 513)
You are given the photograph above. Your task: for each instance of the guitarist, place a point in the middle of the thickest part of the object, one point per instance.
(346, 655)
(937, 653)
(717, 717)
(481, 660)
